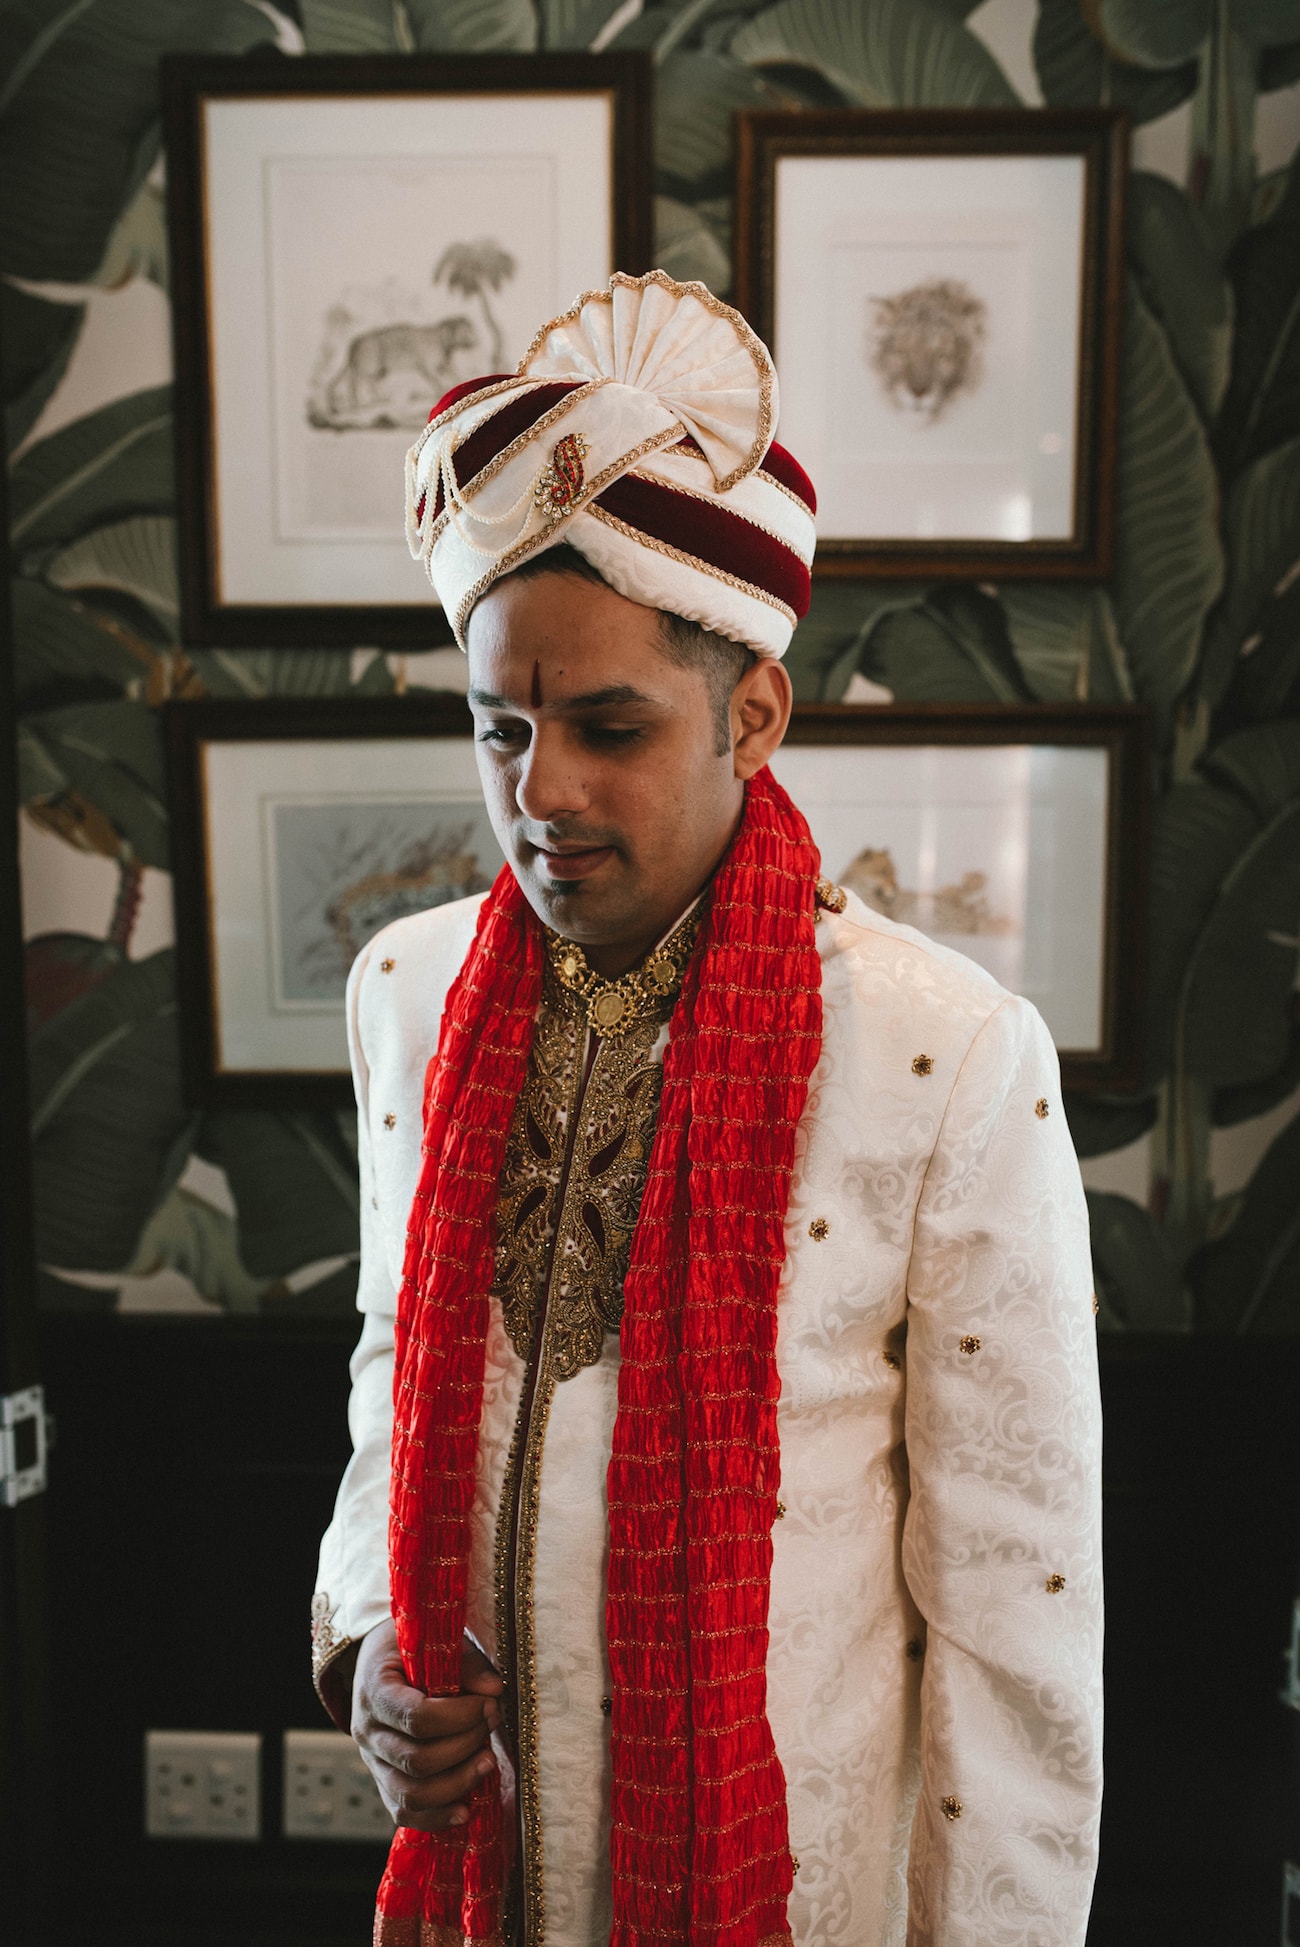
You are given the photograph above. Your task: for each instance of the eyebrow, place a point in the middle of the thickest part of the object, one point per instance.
(613, 696)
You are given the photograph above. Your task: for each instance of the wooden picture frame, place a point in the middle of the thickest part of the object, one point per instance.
(299, 827)
(942, 290)
(1016, 834)
(349, 239)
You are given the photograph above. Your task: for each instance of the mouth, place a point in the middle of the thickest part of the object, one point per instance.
(564, 864)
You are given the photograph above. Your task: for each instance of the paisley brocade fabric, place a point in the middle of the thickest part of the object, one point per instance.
(931, 1494)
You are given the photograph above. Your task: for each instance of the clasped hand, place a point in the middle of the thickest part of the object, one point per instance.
(426, 1753)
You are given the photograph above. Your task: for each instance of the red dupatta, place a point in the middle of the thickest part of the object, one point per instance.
(700, 1852)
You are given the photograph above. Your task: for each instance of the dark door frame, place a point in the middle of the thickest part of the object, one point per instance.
(25, 1803)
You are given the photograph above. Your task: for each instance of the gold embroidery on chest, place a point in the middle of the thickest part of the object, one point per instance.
(573, 1227)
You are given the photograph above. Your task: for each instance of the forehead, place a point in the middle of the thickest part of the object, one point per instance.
(576, 632)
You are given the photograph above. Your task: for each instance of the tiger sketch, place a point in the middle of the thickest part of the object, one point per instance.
(926, 345)
(962, 907)
(390, 375)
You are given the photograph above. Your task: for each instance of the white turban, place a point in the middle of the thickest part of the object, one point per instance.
(638, 429)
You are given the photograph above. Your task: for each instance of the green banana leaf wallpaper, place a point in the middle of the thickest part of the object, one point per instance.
(1201, 620)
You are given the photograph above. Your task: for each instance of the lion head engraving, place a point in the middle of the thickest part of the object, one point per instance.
(926, 344)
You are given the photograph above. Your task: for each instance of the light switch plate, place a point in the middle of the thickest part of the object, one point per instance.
(328, 1793)
(202, 1784)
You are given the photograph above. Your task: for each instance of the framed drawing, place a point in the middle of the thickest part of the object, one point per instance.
(300, 827)
(942, 293)
(1017, 836)
(351, 238)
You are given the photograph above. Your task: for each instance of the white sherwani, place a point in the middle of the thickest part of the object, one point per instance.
(934, 1669)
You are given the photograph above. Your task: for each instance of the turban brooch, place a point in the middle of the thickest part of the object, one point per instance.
(638, 429)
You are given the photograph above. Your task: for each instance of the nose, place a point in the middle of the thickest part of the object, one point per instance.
(551, 784)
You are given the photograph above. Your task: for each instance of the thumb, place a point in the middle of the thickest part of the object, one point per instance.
(477, 1674)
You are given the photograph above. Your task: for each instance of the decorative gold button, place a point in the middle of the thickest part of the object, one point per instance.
(780, 1510)
(951, 1808)
(923, 1065)
(915, 1649)
(892, 1360)
(971, 1343)
(660, 973)
(390, 1120)
(1054, 1584)
(819, 1230)
(609, 1008)
(1096, 1304)
(570, 966)
(832, 897)
(386, 966)
(1041, 1109)
(607, 1705)
(794, 1864)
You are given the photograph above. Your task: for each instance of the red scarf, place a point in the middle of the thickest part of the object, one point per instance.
(700, 1851)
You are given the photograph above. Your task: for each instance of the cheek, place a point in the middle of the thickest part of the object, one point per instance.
(498, 785)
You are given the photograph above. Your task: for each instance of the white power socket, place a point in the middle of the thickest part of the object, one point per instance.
(202, 1784)
(328, 1793)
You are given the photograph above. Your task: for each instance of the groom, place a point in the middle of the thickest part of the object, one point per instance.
(719, 1560)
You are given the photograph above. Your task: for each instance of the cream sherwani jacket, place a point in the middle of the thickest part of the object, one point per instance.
(936, 1614)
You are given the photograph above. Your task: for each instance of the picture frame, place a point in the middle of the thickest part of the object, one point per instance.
(942, 291)
(300, 826)
(351, 237)
(1017, 835)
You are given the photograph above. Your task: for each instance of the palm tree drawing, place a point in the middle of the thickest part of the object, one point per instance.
(472, 269)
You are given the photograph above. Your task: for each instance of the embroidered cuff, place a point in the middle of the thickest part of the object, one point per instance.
(327, 1645)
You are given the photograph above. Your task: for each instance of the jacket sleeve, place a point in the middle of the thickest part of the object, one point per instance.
(352, 1592)
(1002, 1543)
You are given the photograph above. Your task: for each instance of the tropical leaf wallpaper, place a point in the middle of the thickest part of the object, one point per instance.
(1201, 618)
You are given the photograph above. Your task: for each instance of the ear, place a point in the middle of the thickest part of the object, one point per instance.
(760, 711)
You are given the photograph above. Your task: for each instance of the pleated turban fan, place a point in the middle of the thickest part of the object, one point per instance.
(638, 429)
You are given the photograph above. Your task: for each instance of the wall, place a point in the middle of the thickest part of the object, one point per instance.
(1192, 1178)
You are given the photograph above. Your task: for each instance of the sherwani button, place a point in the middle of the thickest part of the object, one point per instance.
(780, 1510)
(607, 1705)
(819, 1230)
(390, 1120)
(971, 1343)
(915, 1650)
(892, 1360)
(386, 966)
(923, 1065)
(1054, 1584)
(1041, 1109)
(951, 1808)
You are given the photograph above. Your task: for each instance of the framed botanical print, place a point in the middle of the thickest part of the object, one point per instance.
(941, 290)
(1016, 836)
(300, 828)
(350, 239)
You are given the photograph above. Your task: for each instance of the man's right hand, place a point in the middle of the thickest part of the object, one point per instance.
(426, 1753)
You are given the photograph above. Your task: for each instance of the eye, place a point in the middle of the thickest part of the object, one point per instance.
(503, 736)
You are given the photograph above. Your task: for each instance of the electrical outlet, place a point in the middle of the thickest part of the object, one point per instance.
(328, 1793)
(202, 1784)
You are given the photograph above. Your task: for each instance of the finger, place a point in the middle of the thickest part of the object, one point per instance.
(425, 1760)
(417, 1716)
(431, 1802)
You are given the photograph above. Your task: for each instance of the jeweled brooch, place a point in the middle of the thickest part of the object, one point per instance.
(559, 484)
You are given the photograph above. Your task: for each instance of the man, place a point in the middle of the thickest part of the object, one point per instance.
(726, 1285)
